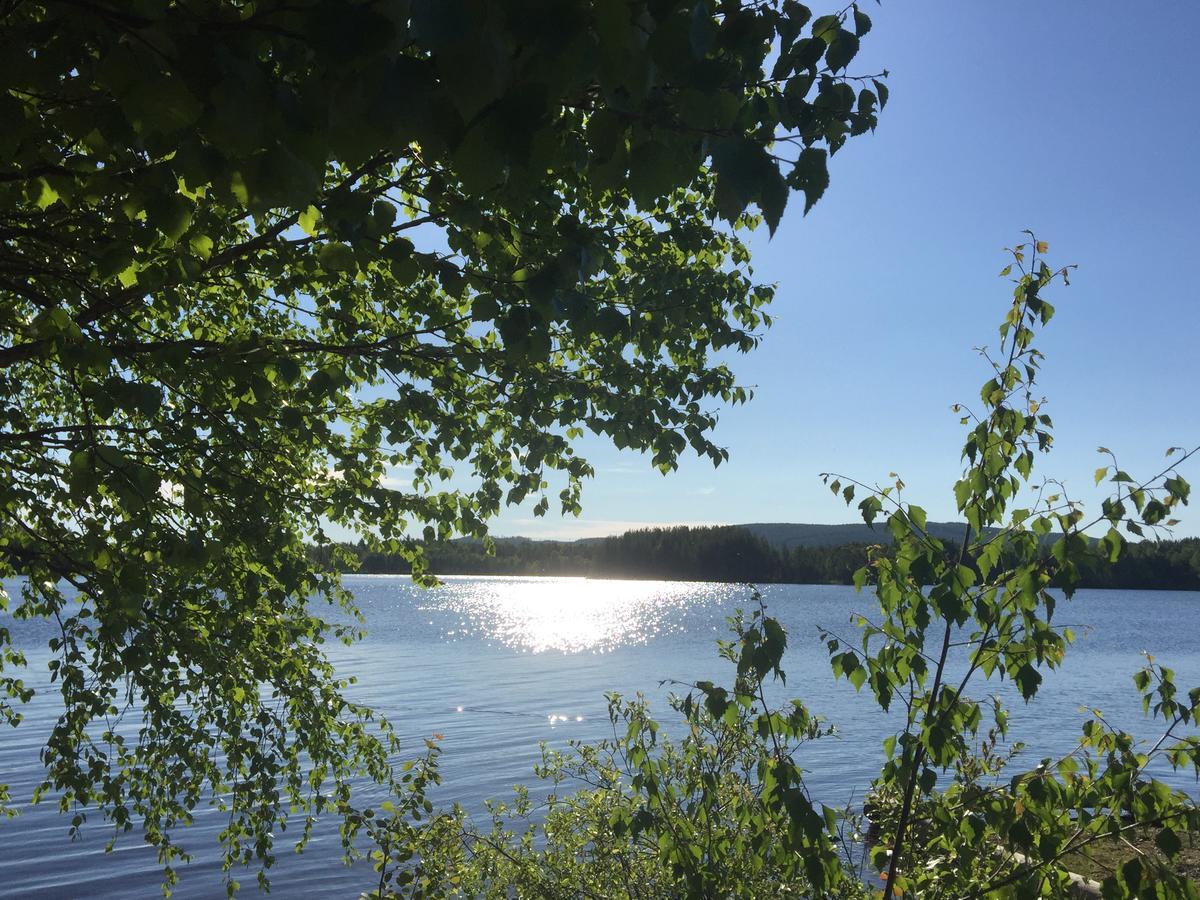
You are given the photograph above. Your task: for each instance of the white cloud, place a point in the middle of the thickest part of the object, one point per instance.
(393, 480)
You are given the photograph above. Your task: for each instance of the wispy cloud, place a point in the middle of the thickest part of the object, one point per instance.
(625, 470)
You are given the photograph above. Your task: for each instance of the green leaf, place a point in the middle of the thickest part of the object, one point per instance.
(826, 27)
(610, 322)
(337, 257)
(773, 197)
(43, 194)
(962, 494)
(1027, 679)
(1179, 487)
(743, 168)
(862, 22)
(857, 677)
(807, 54)
(842, 50)
(870, 508)
(882, 90)
(308, 220)
(202, 245)
(1168, 842)
(171, 214)
(653, 171)
(1131, 875)
(811, 175)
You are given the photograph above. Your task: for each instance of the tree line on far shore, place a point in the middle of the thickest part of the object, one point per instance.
(731, 553)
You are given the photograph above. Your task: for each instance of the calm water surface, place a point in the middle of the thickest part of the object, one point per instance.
(529, 660)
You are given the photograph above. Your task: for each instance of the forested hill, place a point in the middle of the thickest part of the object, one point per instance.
(797, 554)
(789, 535)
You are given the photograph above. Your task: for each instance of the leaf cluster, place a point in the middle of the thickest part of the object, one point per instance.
(986, 609)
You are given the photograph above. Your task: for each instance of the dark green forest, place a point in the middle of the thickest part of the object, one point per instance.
(734, 553)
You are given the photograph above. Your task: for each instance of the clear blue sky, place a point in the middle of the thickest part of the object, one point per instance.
(1075, 119)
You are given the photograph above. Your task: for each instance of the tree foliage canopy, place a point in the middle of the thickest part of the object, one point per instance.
(255, 257)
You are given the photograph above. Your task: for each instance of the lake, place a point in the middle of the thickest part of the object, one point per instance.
(498, 664)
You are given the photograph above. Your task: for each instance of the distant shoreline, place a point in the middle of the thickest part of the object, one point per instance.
(525, 577)
(776, 553)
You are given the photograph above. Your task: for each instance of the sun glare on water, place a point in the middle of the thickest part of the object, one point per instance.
(572, 615)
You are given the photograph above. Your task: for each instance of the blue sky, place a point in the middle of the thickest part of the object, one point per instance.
(1073, 119)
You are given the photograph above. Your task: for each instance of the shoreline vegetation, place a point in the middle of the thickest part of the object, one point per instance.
(761, 553)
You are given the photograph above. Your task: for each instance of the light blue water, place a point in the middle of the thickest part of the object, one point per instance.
(514, 652)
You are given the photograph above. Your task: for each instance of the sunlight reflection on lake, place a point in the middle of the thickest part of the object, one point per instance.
(570, 615)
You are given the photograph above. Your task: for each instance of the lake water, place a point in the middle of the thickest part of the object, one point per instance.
(529, 660)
